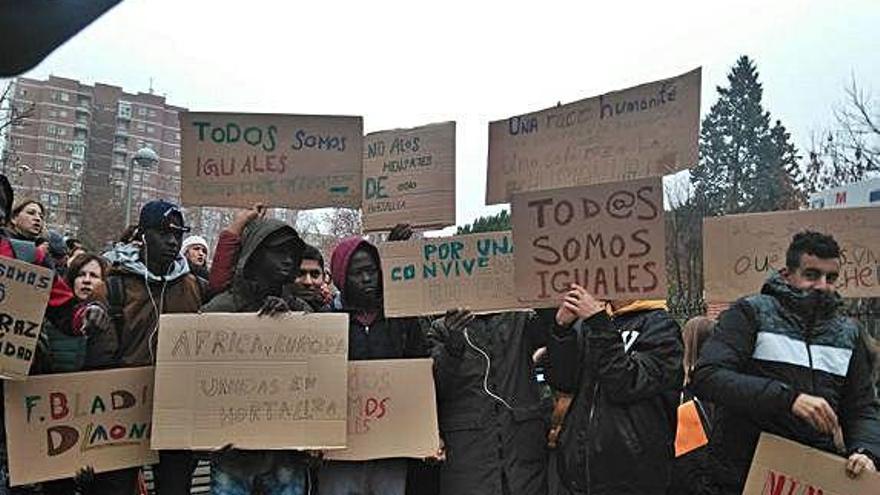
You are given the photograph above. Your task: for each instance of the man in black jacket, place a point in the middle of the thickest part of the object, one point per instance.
(625, 373)
(786, 362)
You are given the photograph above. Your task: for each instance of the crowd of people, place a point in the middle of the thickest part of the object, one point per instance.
(606, 419)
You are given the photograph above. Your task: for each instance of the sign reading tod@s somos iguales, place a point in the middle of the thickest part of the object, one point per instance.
(607, 238)
(645, 131)
(409, 177)
(24, 293)
(256, 383)
(58, 424)
(293, 161)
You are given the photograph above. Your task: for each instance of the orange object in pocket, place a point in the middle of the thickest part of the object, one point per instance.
(690, 434)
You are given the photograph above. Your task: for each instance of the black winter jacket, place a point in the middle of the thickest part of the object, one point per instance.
(488, 444)
(767, 349)
(618, 436)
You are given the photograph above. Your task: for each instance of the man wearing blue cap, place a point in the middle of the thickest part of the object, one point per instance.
(148, 278)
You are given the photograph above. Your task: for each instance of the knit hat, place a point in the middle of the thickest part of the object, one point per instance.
(193, 240)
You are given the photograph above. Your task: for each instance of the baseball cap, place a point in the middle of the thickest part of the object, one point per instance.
(160, 214)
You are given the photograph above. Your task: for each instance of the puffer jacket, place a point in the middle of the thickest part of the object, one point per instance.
(487, 443)
(766, 350)
(625, 373)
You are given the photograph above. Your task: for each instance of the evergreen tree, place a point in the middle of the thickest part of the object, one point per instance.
(492, 223)
(745, 165)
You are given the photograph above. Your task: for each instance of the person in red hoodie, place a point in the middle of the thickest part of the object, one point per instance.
(357, 273)
(66, 313)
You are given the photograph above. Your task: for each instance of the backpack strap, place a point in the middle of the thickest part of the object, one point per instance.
(116, 302)
(24, 250)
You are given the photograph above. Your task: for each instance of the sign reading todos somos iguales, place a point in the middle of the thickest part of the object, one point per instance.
(608, 238)
(294, 161)
(24, 293)
(644, 131)
(58, 424)
(409, 177)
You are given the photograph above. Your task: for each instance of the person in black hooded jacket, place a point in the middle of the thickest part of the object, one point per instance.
(787, 362)
(625, 375)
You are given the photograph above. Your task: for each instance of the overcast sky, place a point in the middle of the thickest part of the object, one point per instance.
(407, 63)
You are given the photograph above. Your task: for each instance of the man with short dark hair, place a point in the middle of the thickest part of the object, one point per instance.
(149, 277)
(310, 284)
(785, 361)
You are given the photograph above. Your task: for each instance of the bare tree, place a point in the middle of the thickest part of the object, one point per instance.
(12, 114)
(850, 152)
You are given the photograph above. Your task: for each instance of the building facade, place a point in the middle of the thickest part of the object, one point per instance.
(74, 150)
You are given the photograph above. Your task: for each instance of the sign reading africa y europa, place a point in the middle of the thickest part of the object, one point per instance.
(57, 424)
(409, 177)
(392, 411)
(608, 238)
(256, 383)
(739, 251)
(293, 161)
(648, 130)
(432, 275)
(24, 293)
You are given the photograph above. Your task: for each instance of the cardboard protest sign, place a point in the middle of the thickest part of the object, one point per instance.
(256, 383)
(781, 466)
(293, 161)
(644, 131)
(432, 275)
(409, 177)
(57, 424)
(739, 251)
(608, 238)
(392, 411)
(24, 293)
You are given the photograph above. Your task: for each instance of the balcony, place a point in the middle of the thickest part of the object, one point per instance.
(81, 124)
(120, 148)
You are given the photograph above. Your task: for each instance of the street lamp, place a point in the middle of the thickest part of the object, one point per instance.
(146, 158)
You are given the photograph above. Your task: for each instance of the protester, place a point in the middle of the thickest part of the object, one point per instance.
(148, 278)
(490, 410)
(357, 273)
(625, 374)
(270, 255)
(786, 362)
(27, 220)
(228, 245)
(195, 250)
(57, 251)
(64, 312)
(310, 284)
(690, 475)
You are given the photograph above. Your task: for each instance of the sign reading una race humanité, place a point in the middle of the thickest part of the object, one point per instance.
(24, 293)
(644, 131)
(58, 424)
(293, 161)
(607, 238)
(256, 383)
(409, 177)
